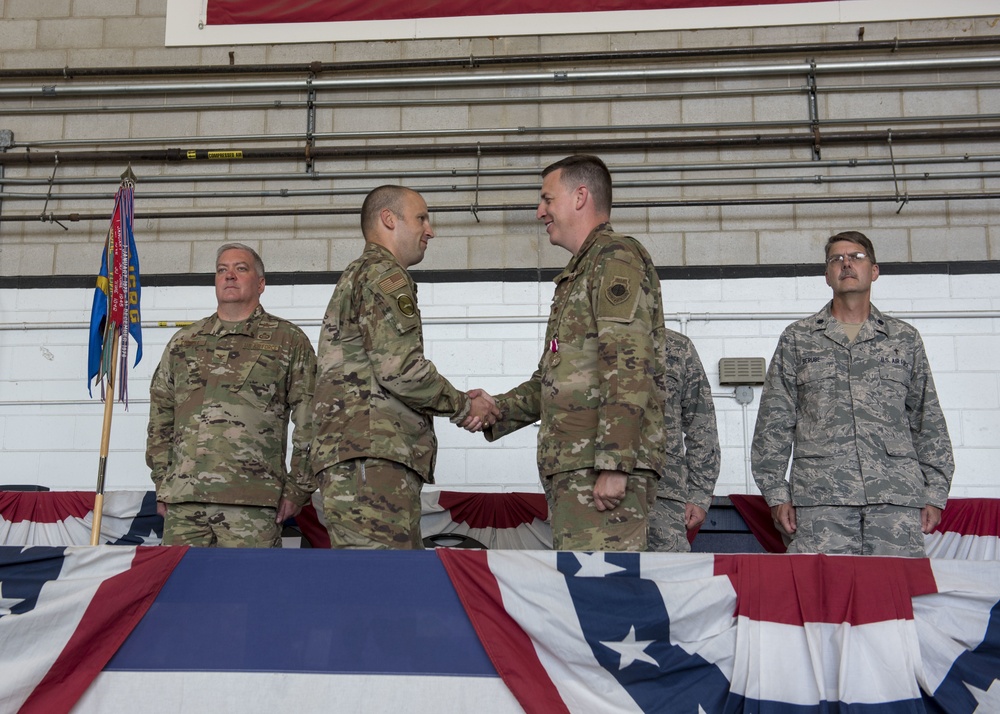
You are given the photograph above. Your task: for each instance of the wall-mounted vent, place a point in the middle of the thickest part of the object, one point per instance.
(735, 371)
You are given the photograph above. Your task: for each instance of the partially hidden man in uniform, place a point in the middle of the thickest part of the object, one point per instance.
(376, 392)
(220, 403)
(600, 386)
(684, 493)
(851, 390)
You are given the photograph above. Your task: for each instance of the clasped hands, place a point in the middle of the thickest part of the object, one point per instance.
(484, 411)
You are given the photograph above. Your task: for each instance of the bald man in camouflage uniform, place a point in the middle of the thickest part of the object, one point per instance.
(376, 393)
(685, 490)
(600, 386)
(852, 390)
(220, 403)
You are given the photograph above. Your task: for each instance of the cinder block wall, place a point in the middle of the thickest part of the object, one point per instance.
(737, 258)
(50, 430)
(54, 34)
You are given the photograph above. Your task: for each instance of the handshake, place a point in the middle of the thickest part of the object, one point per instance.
(484, 411)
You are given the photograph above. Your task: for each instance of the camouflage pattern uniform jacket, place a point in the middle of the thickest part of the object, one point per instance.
(220, 401)
(864, 417)
(376, 393)
(692, 432)
(600, 386)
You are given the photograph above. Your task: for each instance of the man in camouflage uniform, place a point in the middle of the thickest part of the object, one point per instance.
(852, 390)
(220, 401)
(376, 393)
(600, 386)
(686, 486)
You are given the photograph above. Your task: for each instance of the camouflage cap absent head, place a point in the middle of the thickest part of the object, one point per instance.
(854, 237)
(258, 264)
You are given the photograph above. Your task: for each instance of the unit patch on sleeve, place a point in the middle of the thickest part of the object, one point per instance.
(405, 304)
(619, 290)
(621, 287)
(398, 303)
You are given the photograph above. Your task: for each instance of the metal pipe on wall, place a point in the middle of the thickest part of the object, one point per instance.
(460, 75)
(672, 54)
(73, 217)
(396, 135)
(513, 171)
(561, 77)
(813, 180)
(395, 100)
(179, 155)
(684, 318)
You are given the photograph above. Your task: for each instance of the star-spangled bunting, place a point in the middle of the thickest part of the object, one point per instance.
(65, 610)
(704, 634)
(631, 650)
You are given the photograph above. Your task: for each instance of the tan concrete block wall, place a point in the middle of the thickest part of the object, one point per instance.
(113, 33)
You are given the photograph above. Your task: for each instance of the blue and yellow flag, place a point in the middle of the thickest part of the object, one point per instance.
(116, 298)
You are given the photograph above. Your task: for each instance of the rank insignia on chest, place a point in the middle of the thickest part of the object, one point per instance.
(406, 306)
(619, 291)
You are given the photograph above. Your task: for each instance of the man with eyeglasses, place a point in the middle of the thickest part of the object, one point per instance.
(851, 389)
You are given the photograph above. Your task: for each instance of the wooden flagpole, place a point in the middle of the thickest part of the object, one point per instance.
(109, 401)
(109, 395)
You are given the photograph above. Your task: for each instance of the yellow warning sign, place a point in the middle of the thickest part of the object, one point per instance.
(225, 154)
(195, 154)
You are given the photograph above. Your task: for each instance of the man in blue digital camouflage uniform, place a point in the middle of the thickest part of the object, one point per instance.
(851, 390)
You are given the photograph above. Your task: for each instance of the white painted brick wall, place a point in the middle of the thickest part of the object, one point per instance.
(50, 431)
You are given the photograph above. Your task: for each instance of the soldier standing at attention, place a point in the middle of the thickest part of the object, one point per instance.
(852, 390)
(220, 402)
(377, 394)
(684, 494)
(600, 386)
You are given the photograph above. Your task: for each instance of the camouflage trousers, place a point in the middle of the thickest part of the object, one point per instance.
(879, 529)
(667, 530)
(578, 525)
(221, 525)
(372, 503)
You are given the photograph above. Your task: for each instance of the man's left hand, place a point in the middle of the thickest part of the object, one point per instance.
(930, 516)
(694, 516)
(609, 489)
(286, 510)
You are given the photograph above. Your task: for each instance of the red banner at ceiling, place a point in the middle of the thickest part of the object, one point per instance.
(253, 12)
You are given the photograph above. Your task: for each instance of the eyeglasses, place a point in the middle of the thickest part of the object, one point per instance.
(840, 259)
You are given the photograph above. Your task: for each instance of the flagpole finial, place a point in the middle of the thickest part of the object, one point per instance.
(127, 175)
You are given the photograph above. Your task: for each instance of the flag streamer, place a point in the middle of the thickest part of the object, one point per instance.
(115, 313)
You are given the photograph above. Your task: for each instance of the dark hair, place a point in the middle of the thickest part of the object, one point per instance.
(854, 237)
(380, 198)
(589, 171)
(258, 264)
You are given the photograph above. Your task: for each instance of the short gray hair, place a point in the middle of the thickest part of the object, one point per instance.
(258, 264)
